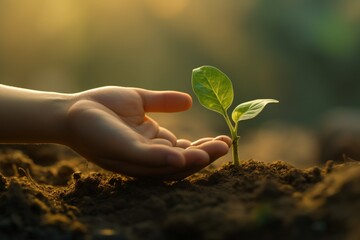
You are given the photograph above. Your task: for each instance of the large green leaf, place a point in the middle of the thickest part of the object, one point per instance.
(213, 88)
(251, 109)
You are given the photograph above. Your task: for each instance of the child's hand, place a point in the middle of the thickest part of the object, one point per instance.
(109, 127)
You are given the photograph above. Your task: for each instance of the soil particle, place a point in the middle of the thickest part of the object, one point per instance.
(255, 200)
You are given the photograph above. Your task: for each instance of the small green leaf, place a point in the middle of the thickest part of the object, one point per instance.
(251, 109)
(213, 88)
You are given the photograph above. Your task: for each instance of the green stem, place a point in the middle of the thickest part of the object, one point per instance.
(234, 138)
(235, 151)
(231, 127)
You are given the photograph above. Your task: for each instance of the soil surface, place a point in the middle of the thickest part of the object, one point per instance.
(67, 198)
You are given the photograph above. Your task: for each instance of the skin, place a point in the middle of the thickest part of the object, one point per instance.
(109, 127)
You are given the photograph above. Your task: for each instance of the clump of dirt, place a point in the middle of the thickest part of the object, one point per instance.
(256, 200)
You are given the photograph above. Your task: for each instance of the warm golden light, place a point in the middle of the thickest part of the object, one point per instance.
(166, 8)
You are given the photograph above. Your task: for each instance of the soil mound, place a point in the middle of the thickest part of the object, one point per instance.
(257, 200)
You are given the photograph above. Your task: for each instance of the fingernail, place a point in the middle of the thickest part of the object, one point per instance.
(225, 139)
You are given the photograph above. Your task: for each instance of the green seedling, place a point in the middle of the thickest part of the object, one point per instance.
(215, 92)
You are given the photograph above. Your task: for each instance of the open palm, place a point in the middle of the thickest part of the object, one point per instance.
(109, 127)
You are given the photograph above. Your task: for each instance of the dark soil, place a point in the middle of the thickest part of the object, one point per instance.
(65, 200)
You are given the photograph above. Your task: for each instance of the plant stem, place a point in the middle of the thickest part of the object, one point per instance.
(234, 137)
(235, 151)
(231, 127)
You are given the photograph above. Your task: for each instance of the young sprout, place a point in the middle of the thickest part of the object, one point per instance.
(215, 92)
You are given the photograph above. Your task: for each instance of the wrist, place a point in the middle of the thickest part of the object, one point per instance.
(57, 130)
(29, 116)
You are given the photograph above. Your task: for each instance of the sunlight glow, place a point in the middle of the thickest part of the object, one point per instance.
(165, 8)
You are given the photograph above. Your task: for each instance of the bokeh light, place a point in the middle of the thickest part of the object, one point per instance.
(304, 53)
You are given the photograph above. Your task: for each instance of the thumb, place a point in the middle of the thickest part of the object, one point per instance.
(164, 101)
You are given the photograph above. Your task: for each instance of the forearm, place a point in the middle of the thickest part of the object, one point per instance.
(28, 116)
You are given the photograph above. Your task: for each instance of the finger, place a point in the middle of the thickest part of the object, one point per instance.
(164, 101)
(225, 139)
(199, 156)
(156, 134)
(161, 141)
(214, 149)
(148, 128)
(166, 134)
(196, 160)
(156, 155)
(201, 141)
(183, 143)
(194, 164)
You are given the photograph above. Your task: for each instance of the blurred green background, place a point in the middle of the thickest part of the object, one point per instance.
(304, 53)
